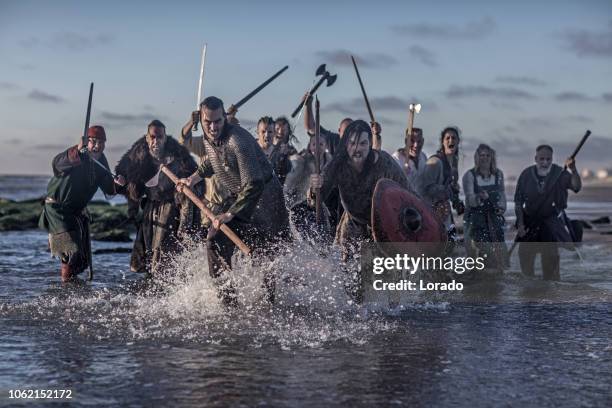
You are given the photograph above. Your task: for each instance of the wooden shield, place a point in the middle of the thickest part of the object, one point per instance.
(400, 216)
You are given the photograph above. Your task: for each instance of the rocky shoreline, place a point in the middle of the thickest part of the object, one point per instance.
(108, 222)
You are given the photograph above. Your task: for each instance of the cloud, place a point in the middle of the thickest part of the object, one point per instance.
(117, 120)
(116, 148)
(536, 121)
(8, 86)
(50, 146)
(474, 30)
(587, 43)
(369, 60)
(470, 91)
(41, 96)
(69, 40)
(14, 141)
(384, 108)
(595, 150)
(357, 106)
(607, 97)
(520, 80)
(551, 122)
(506, 105)
(579, 119)
(423, 55)
(572, 96)
(249, 124)
(29, 42)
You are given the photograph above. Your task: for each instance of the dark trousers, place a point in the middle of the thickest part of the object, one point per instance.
(220, 249)
(550, 235)
(76, 262)
(549, 253)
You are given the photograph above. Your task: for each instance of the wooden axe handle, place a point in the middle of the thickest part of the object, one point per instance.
(200, 204)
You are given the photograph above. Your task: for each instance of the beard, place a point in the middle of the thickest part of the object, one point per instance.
(156, 152)
(543, 171)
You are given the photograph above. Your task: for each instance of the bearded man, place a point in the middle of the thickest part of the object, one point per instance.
(540, 200)
(166, 213)
(412, 159)
(303, 165)
(255, 209)
(355, 170)
(75, 180)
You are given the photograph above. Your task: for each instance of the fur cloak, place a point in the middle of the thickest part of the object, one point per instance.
(138, 166)
(166, 213)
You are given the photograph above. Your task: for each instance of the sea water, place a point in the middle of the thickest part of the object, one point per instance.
(118, 341)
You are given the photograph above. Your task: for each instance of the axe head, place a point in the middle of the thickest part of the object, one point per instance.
(321, 70)
(154, 181)
(415, 107)
(331, 79)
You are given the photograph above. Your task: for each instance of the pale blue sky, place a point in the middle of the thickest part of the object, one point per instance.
(511, 74)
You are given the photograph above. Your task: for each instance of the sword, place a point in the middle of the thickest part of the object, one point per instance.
(234, 108)
(199, 97)
(87, 117)
(114, 176)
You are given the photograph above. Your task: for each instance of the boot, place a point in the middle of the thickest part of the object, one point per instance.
(66, 273)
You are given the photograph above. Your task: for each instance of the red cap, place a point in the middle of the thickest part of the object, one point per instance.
(96, 132)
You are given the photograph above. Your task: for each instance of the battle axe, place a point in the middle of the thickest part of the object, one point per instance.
(325, 76)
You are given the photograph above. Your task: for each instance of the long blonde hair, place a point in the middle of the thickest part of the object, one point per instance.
(479, 149)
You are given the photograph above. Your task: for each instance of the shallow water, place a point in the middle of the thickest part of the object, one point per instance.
(509, 341)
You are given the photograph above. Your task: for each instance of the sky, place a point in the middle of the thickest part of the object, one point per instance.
(510, 74)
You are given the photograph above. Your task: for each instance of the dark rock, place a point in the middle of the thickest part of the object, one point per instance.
(118, 250)
(38, 200)
(18, 222)
(114, 235)
(601, 220)
(17, 216)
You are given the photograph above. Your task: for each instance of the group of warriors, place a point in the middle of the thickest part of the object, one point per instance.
(261, 186)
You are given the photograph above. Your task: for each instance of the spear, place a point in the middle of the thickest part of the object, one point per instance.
(365, 97)
(317, 159)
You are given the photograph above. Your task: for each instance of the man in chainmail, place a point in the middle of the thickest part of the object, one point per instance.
(234, 157)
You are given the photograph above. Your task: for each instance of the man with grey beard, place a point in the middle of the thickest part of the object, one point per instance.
(166, 213)
(540, 200)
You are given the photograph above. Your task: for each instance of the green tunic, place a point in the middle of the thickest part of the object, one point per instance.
(75, 181)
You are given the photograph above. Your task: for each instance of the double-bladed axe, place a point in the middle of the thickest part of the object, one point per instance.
(325, 76)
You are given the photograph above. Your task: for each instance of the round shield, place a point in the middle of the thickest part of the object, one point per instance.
(400, 216)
